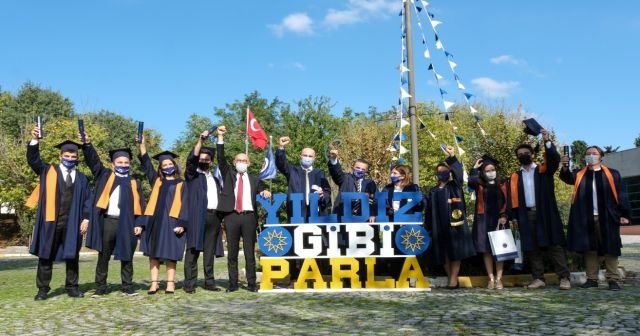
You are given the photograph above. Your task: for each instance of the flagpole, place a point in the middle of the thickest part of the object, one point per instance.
(270, 148)
(412, 95)
(246, 134)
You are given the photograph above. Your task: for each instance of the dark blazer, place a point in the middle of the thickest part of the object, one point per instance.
(296, 183)
(347, 183)
(227, 201)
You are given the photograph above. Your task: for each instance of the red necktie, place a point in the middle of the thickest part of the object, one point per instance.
(239, 194)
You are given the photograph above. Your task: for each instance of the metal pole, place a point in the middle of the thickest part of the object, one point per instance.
(415, 171)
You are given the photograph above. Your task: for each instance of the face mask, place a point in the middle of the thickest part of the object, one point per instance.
(443, 176)
(169, 171)
(69, 164)
(395, 179)
(358, 173)
(241, 167)
(204, 166)
(122, 170)
(525, 159)
(306, 162)
(592, 159)
(490, 175)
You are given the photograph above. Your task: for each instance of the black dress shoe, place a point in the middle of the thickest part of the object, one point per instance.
(189, 290)
(232, 289)
(590, 284)
(75, 293)
(613, 286)
(99, 292)
(42, 295)
(129, 291)
(212, 288)
(252, 288)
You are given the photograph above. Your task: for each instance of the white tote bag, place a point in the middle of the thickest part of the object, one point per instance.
(503, 246)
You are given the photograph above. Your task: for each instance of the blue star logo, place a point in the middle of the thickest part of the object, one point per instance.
(412, 239)
(275, 241)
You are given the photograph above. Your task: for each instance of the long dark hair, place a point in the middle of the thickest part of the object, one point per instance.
(177, 174)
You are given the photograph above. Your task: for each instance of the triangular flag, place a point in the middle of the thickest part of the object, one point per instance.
(268, 170)
(443, 92)
(430, 67)
(424, 3)
(400, 137)
(456, 77)
(404, 123)
(482, 131)
(391, 148)
(448, 104)
(473, 110)
(403, 150)
(439, 45)
(459, 139)
(461, 152)
(460, 86)
(402, 161)
(446, 117)
(403, 80)
(404, 94)
(403, 68)
(419, 8)
(448, 54)
(477, 117)
(435, 23)
(438, 77)
(468, 95)
(452, 64)
(426, 54)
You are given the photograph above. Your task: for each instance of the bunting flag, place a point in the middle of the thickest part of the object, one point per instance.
(400, 137)
(255, 132)
(218, 176)
(403, 122)
(268, 170)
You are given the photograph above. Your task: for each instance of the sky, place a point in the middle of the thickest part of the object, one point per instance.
(571, 65)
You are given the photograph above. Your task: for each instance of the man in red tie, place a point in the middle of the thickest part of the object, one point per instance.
(238, 207)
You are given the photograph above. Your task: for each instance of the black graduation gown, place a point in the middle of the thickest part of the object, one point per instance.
(452, 242)
(126, 240)
(581, 234)
(550, 230)
(43, 231)
(158, 239)
(296, 184)
(389, 188)
(197, 201)
(490, 206)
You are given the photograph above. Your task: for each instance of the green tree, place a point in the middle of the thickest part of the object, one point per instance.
(636, 142)
(610, 149)
(578, 150)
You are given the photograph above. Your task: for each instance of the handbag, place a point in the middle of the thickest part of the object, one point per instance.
(503, 245)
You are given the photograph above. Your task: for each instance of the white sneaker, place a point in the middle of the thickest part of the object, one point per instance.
(536, 284)
(565, 284)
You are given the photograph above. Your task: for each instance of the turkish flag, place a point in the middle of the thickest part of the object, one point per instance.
(255, 131)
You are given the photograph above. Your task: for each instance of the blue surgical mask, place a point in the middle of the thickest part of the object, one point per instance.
(443, 176)
(395, 179)
(358, 173)
(69, 164)
(169, 171)
(122, 170)
(306, 162)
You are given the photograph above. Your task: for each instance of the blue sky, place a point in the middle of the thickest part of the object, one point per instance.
(572, 65)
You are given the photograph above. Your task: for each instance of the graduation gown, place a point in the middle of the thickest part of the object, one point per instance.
(444, 207)
(197, 201)
(126, 240)
(80, 209)
(549, 230)
(296, 176)
(613, 203)
(389, 188)
(491, 204)
(347, 183)
(158, 239)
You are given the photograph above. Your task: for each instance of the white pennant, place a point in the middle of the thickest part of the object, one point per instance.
(424, 3)
(426, 54)
(403, 68)
(461, 152)
(439, 45)
(403, 123)
(473, 110)
(435, 23)
(448, 104)
(403, 150)
(452, 64)
(391, 149)
(438, 77)
(484, 134)
(404, 94)
(460, 86)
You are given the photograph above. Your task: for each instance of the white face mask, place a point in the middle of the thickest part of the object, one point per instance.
(241, 167)
(592, 159)
(490, 175)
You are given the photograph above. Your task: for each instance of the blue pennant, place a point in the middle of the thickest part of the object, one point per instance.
(477, 117)
(422, 125)
(400, 14)
(443, 92)
(437, 38)
(402, 161)
(459, 139)
(430, 67)
(424, 41)
(400, 137)
(468, 95)
(448, 54)
(403, 80)
(431, 15)
(490, 142)
(446, 116)
(419, 9)
(456, 77)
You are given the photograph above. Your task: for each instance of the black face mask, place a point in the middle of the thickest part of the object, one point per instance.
(204, 166)
(525, 159)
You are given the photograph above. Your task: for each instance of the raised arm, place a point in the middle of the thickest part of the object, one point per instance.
(335, 169)
(33, 153)
(91, 157)
(145, 162)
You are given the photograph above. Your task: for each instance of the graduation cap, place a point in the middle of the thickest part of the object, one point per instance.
(68, 146)
(532, 127)
(166, 155)
(207, 150)
(119, 152)
(486, 159)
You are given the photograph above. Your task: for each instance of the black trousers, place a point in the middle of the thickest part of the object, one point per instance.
(109, 234)
(45, 266)
(211, 234)
(556, 253)
(243, 226)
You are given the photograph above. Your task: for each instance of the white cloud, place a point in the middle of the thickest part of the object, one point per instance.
(359, 11)
(506, 59)
(299, 66)
(494, 89)
(297, 23)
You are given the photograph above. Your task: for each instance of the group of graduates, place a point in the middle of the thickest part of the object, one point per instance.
(185, 216)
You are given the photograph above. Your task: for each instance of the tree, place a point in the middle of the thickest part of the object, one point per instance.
(637, 141)
(578, 150)
(610, 149)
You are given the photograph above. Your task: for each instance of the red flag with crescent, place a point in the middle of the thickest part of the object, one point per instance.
(255, 132)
